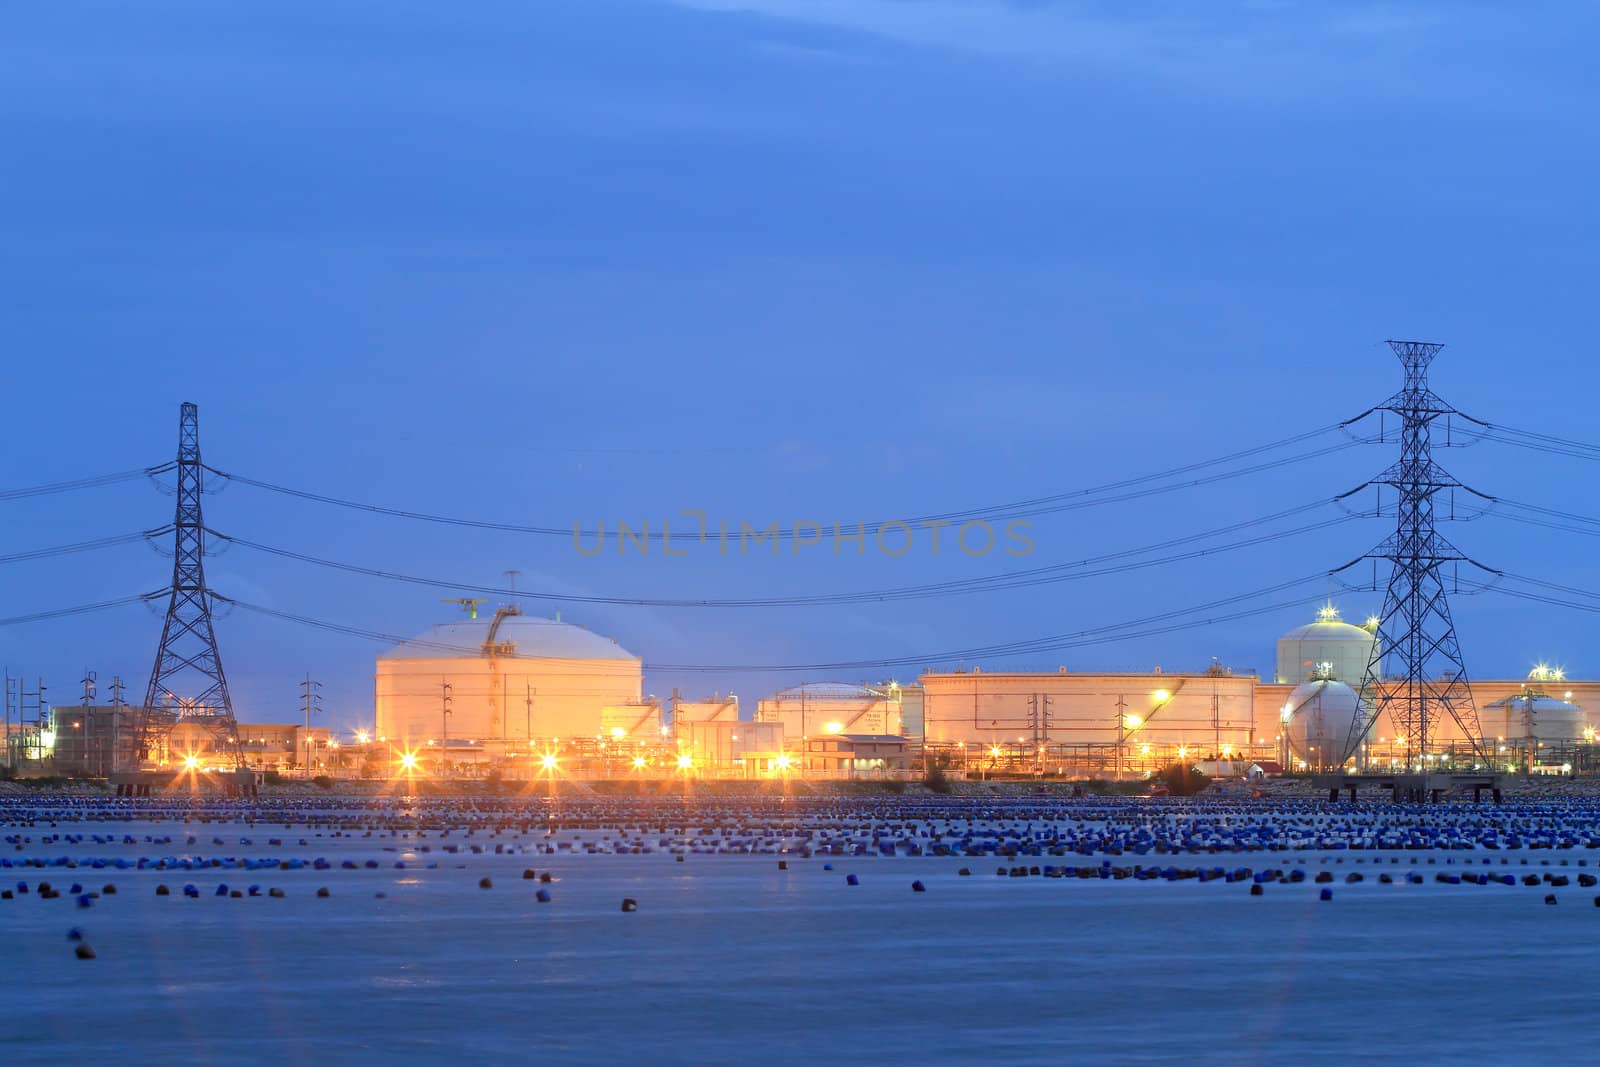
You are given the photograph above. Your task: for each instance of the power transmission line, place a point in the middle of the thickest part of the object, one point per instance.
(1532, 440)
(1053, 503)
(92, 482)
(1136, 628)
(1027, 578)
(84, 546)
(80, 609)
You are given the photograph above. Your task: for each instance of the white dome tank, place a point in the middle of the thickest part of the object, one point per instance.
(1329, 647)
(1544, 717)
(1319, 718)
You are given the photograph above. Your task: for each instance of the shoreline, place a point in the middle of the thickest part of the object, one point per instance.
(1537, 788)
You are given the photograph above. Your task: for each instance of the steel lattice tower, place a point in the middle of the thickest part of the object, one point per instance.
(188, 650)
(1416, 634)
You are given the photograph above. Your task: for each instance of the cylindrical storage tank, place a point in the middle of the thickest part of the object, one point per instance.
(1544, 718)
(818, 709)
(1327, 647)
(512, 678)
(1321, 716)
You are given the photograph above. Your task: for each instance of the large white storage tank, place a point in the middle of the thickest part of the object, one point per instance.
(717, 709)
(511, 678)
(631, 722)
(1535, 715)
(1329, 647)
(817, 709)
(1319, 718)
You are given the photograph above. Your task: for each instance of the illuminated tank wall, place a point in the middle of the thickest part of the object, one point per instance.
(1328, 646)
(820, 708)
(1197, 711)
(538, 678)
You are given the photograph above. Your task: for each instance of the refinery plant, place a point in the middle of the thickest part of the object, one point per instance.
(510, 694)
(518, 696)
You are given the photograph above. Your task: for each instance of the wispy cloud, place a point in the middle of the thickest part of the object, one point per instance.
(1289, 47)
(805, 53)
(1038, 30)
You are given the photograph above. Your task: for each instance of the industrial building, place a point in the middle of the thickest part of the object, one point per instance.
(507, 681)
(857, 756)
(521, 696)
(729, 748)
(1092, 722)
(474, 693)
(85, 740)
(95, 740)
(1066, 720)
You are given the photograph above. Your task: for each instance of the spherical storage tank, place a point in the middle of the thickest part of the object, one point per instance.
(1320, 717)
(1328, 646)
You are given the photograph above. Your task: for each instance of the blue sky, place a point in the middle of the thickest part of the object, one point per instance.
(776, 259)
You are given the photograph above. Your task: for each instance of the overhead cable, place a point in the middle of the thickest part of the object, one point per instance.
(1095, 566)
(1165, 622)
(80, 609)
(84, 483)
(1093, 496)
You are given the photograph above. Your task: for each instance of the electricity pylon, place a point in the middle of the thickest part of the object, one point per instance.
(187, 655)
(1416, 635)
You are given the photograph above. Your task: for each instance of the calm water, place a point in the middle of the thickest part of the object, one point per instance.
(730, 960)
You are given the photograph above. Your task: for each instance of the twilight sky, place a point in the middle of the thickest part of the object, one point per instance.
(792, 260)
